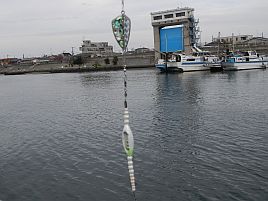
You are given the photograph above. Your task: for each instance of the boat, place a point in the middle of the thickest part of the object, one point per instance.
(244, 61)
(197, 61)
(161, 65)
(215, 67)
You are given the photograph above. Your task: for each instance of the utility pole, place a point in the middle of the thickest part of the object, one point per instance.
(233, 41)
(72, 51)
(72, 59)
(219, 41)
(200, 42)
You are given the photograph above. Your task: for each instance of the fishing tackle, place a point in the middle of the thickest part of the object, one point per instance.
(121, 26)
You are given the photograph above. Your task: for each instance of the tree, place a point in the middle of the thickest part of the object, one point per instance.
(115, 60)
(78, 60)
(107, 60)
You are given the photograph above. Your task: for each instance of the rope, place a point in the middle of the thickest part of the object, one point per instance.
(125, 86)
(134, 196)
(121, 29)
(123, 6)
(128, 137)
(128, 141)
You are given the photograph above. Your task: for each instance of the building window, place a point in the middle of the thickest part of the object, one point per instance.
(168, 16)
(243, 38)
(158, 17)
(180, 14)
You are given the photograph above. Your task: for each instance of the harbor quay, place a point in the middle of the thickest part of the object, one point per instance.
(86, 64)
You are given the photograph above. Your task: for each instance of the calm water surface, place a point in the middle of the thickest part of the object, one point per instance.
(198, 136)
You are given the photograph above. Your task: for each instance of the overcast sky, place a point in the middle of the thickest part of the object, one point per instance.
(38, 27)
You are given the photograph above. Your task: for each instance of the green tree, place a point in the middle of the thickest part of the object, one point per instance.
(115, 60)
(107, 60)
(78, 60)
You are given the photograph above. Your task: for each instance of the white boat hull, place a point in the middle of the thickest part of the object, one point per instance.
(188, 67)
(228, 66)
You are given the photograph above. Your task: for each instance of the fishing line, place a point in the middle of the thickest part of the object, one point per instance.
(121, 26)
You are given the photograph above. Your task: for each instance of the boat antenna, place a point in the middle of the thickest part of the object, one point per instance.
(233, 42)
(121, 26)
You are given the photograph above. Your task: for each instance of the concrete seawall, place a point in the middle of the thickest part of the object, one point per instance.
(61, 68)
(143, 60)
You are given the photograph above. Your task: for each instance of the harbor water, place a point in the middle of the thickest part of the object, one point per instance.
(198, 136)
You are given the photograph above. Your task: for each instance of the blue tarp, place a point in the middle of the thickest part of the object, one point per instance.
(171, 39)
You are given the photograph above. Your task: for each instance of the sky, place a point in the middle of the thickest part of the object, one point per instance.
(38, 27)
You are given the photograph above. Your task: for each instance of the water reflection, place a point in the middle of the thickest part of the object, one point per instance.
(96, 79)
(179, 99)
(231, 75)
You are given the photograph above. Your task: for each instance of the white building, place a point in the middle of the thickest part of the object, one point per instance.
(96, 48)
(261, 41)
(233, 39)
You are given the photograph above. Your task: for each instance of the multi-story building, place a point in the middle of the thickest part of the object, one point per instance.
(96, 49)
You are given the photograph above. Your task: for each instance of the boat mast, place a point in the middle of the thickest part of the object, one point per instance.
(219, 42)
(233, 41)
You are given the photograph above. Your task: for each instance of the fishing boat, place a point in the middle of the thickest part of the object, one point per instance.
(215, 66)
(161, 65)
(244, 61)
(197, 61)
